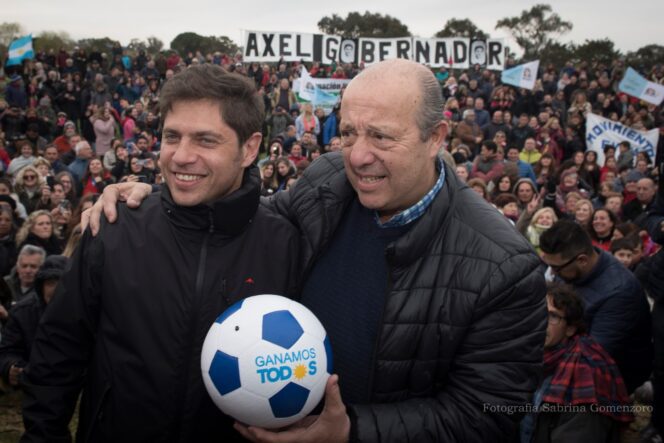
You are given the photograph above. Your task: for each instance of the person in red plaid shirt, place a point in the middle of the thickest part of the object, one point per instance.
(583, 396)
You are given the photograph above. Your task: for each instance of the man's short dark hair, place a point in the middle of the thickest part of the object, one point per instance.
(241, 107)
(490, 145)
(566, 238)
(565, 298)
(631, 242)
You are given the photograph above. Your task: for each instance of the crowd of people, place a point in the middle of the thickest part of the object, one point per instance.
(73, 123)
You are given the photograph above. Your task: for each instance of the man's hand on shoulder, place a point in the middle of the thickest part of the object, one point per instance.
(131, 192)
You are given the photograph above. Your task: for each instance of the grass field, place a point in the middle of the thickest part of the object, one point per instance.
(11, 421)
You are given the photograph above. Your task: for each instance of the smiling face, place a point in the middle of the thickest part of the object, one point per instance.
(583, 212)
(201, 158)
(386, 162)
(602, 223)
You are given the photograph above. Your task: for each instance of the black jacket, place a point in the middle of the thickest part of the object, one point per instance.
(19, 333)
(464, 319)
(133, 312)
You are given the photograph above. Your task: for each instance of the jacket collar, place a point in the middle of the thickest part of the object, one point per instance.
(229, 215)
(413, 243)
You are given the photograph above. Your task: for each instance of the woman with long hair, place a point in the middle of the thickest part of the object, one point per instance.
(285, 170)
(269, 178)
(103, 124)
(501, 185)
(307, 122)
(38, 230)
(589, 171)
(601, 228)
(542, 220)
(545, 169)
(31, 189)
(96, 178)
(66, 179)
(583, 212)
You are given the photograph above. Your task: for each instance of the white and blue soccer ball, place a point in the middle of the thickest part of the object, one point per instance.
(266, 361)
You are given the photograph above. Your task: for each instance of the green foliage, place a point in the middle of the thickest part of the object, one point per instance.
(53, 40)
(191, 42)
(462, 28)
(363, 25)
(601, 51)
(9, 32)
(96, 44)
(646, 57)
(534, 30)
(556, 53)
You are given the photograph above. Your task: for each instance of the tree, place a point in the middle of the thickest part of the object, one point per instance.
(366, 25)
(556, 53)
(645, 58)
(97, 44)
(535, 29)
(192, 42)
(53, 40)
(136, 45)
(462, 28)
(8, 32)
(154, 45)
(602, 51)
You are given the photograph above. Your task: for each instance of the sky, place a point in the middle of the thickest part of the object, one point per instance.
(630, 25)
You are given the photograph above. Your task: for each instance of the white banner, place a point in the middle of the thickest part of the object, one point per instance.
(435, 52)
(601, 131)
(274, 46)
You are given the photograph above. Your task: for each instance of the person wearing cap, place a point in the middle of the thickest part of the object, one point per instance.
(15, 93)
(64, 142)
(19, 332)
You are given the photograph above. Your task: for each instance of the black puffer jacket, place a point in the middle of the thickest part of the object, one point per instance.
(129, 318)
(464, 320)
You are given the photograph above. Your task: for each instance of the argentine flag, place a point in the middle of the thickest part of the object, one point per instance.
(521, 76)
(19, 50)
(637, 86)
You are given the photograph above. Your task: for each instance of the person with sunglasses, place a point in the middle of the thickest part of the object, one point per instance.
(616, 310)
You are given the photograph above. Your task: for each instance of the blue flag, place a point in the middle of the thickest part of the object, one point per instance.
(19, 50)
(521, 76)
(637, 86)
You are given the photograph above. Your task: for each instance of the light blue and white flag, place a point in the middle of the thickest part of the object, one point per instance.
(19, 50)
(637, 86)
(521, 76)
(324, 99)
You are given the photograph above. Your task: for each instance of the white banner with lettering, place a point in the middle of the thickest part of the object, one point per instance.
(454, 52)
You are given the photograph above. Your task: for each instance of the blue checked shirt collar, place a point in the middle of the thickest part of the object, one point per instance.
(417, 210)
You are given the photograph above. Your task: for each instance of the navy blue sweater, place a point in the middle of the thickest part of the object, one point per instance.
(346, 290)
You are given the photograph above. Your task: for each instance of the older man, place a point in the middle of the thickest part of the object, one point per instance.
(434, 304)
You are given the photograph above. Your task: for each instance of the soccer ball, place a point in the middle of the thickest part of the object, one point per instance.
(266, 361)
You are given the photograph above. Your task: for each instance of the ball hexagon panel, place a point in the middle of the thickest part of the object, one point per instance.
(281, 328)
